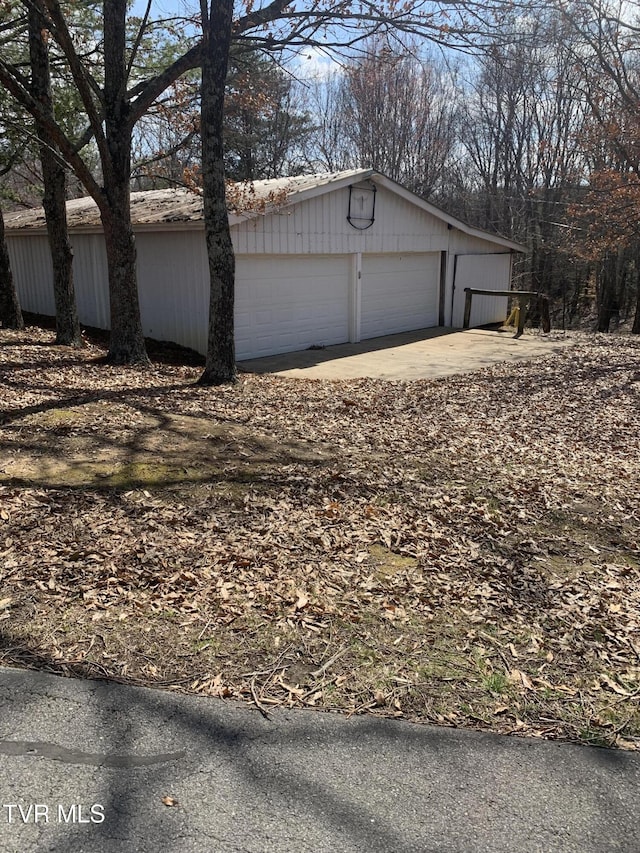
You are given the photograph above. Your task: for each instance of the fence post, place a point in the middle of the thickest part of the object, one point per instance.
(522, 316)
(545, 316)
(467, 307)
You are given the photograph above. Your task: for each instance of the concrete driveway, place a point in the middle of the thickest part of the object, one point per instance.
(424, 354)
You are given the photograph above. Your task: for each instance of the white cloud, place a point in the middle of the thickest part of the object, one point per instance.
(314, 62)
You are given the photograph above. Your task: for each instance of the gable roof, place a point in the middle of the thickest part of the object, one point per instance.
(182, 207)
(312, 185)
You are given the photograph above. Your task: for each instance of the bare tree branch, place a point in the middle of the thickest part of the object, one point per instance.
(17, 86)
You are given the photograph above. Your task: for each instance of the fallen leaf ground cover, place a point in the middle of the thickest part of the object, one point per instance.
(462, 551)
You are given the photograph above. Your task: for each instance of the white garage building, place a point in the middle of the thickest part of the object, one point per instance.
(320, 259)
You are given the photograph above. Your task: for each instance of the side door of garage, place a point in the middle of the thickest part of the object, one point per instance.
(486, 272)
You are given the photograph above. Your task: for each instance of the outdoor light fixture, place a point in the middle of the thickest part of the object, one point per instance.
(362, 205)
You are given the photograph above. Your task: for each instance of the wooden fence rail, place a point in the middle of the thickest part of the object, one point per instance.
(524, 309)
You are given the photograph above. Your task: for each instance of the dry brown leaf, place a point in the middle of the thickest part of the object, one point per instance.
(526, 681)
(379, 698)
(604, 678)
(301, 601)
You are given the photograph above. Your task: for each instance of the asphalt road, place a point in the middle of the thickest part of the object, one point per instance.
(85, 766)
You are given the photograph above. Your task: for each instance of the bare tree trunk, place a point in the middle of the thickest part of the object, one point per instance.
(220, 365)
(55, 189)
(126, 343)
(10, 313)
(603, 289)
(127, 339)
(607, 292)
(635, 329)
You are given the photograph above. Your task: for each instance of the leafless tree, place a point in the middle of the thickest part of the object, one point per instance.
(606, 35)
(329, 147)
(54, 176)
(399, 115)
(524, 113)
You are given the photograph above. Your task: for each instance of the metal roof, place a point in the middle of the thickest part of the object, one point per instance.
(180, 206)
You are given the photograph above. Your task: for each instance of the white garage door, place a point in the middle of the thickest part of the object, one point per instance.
(399, 293)
(290, 302)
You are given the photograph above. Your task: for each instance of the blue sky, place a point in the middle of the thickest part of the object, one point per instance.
(311, 61)
(161, 7)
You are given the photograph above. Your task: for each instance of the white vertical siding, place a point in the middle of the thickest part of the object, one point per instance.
(319, 226)
(32, 272)
(91, 278)
(173, 283)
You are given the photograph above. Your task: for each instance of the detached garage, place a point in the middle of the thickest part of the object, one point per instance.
(320, 260)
